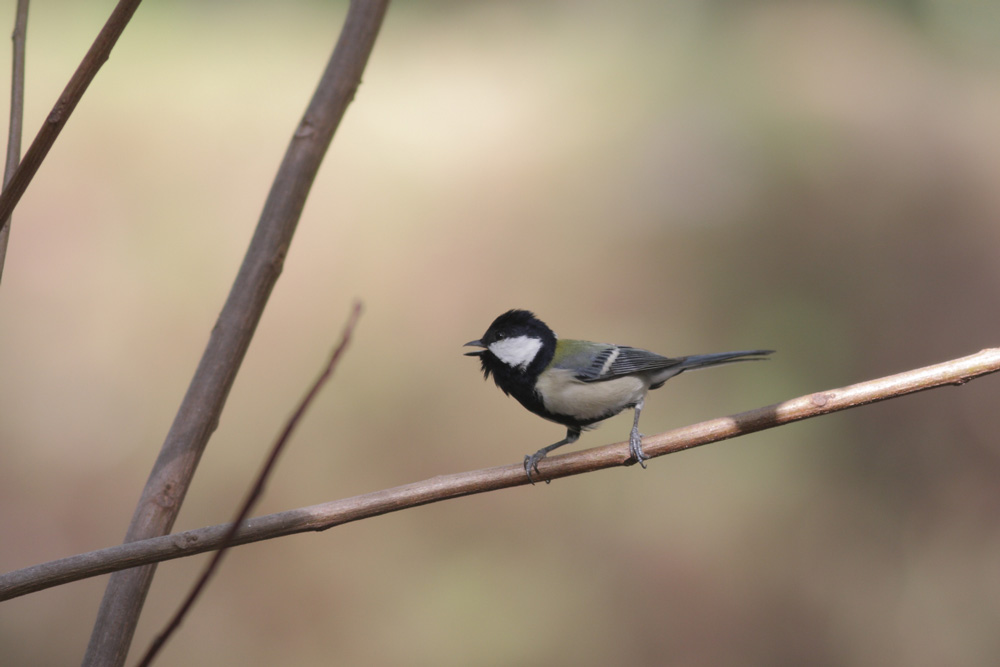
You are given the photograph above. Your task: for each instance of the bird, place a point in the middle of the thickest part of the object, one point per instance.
(577, 383)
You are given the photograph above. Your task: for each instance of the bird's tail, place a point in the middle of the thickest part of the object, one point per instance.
(706, 360)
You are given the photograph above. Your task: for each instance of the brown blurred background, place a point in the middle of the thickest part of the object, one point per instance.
(692, 176)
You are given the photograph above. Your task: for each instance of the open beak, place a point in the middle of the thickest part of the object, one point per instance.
(474, 343)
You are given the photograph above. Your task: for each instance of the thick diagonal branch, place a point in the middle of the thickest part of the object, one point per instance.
(206, 395)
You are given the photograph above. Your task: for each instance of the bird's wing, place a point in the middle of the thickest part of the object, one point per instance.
(632, 360)
(584, 358)
(595, 362)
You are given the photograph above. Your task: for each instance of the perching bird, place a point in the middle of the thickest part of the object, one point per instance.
(577, 383)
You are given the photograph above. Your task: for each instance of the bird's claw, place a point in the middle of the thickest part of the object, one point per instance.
(531, 463)
(635, 449)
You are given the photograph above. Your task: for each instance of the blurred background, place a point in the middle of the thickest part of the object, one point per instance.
(689, 176)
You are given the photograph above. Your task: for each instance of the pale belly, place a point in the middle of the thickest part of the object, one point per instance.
(588, 400)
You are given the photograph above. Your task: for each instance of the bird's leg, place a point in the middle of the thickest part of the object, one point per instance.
(635, 439)
(531, 462)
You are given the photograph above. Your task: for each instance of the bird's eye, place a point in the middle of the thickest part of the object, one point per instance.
(501, 336)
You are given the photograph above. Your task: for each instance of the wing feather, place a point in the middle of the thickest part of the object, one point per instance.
(623, 361)
(635, 360)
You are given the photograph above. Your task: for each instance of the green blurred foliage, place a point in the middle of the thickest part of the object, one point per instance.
(688, 177)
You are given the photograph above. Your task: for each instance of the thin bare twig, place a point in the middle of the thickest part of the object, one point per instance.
(20, 37)
(199, 412)
(256, 490)
(328, 515)
(98, 54)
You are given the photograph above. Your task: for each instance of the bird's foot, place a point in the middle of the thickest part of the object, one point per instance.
(635, 448)
(531, 463)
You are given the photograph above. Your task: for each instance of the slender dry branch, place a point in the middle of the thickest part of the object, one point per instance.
(199, 412)
(256, 490)
(20, 38)
(98, 54)
(328, 515)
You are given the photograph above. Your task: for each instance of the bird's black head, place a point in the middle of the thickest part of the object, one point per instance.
(516, 347)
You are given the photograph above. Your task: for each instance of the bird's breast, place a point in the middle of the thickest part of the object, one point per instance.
(563, 394)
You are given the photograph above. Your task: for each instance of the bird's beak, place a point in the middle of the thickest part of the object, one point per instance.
(474, 343)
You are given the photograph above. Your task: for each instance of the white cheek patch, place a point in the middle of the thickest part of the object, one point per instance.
(516, 352)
